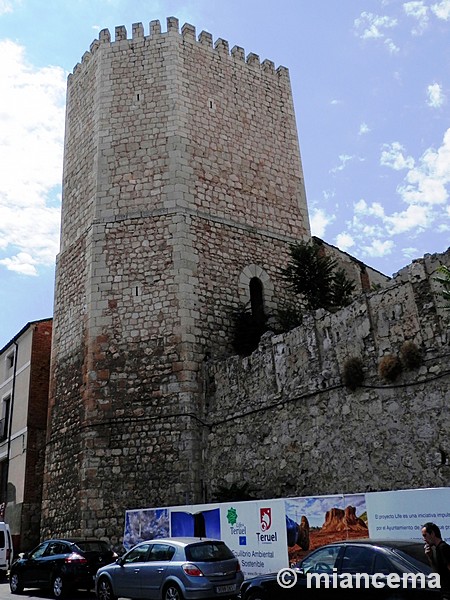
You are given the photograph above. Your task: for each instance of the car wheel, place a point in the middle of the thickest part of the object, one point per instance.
(15, 584)
(255, 595)
(58, 587)
(172, 592)
(104, 590)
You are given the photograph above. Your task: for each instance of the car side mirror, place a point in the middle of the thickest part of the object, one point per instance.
(119, 561)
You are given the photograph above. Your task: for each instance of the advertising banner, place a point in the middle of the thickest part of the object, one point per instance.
(401, 514)
(256, 532)
(267, 535)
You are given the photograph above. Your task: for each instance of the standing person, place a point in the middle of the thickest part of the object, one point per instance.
(439, 558)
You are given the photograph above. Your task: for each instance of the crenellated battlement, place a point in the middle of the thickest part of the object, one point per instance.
(188, 35)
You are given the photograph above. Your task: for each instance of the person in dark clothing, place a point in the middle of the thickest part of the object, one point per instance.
(438, 554)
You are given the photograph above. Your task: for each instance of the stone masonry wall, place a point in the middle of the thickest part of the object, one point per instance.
(182, 181)
(283, 421)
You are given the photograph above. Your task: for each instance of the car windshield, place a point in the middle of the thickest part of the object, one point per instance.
(208, 552)
(93, 546)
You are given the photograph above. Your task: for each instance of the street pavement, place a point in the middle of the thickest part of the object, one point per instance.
(29, 594)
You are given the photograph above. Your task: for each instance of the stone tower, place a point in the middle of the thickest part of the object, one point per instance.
(182, 186)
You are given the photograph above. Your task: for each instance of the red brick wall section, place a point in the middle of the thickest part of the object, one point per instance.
(37, 409)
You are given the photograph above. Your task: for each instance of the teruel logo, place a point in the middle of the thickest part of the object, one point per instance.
(265, 523)
(265, 518)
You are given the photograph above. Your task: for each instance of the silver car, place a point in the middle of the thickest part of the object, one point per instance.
(172, 569)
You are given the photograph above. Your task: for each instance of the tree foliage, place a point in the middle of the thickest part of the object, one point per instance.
(315, 276)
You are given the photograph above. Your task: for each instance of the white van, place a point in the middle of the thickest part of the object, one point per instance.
(6, 549)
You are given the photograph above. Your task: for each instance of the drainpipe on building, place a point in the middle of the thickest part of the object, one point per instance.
(8, 454)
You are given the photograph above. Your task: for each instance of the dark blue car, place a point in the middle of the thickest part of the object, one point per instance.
(359, 569)
(59, 565)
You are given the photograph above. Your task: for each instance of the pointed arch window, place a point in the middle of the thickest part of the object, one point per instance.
(257, 299)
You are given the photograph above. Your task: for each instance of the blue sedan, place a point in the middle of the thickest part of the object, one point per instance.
(172, 569)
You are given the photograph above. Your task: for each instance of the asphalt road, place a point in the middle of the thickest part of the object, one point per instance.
(29, 594)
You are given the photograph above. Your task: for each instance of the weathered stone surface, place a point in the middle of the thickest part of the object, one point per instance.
(303, 432)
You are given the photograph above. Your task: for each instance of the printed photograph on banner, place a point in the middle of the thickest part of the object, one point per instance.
(195, 523)
(313, 521)
(145, 524)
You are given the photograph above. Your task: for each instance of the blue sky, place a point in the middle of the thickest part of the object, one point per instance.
(371, 87)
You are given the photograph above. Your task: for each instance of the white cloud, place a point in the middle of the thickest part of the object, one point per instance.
(392, 156)
(6, 6)
(344, 241)
(378, 248)
(31, 149)
(425, 188)
(413, 218)
(391, 46)
(344, 158)
(375, 209)
(373, 27)
(22, 263)
(363, 129)
(419, 11)
(427, 182)
(442, 9)
(410, 252)
(319, 221)
(435, 95)
(370, 26)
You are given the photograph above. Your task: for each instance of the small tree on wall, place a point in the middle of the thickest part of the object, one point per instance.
(316, 282)
(315, 277)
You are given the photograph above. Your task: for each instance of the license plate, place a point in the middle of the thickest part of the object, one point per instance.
(226, 589)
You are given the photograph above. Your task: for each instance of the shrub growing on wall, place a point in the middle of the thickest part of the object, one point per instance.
(410, 355)
(353, 372)
(390, 367)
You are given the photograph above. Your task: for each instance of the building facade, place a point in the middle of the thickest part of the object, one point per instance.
(24, 387)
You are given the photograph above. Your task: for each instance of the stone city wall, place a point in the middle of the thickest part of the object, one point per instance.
(283, 421)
